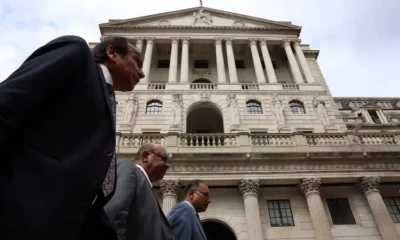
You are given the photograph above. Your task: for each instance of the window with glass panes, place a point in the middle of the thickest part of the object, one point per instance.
(297, 107)
(154, 107)
(254, 107)
(393, 206)
(340, 211)
(385, 104)
(355, 104)
(280, 213)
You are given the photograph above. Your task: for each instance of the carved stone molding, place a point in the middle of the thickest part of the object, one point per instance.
(150, 40)
(185, 40)
(296, 42)
(169, 188)
(301, 167)
(139, 39)
(369, 184)
(263, 41)
(205, 97)
(253, 41)
(286, 42)
(218, 41)
(249, 187)
(228, 41)
(310, 186)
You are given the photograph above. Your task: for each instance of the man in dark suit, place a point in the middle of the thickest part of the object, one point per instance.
(134, 209)
(57, 138)
(184, 218)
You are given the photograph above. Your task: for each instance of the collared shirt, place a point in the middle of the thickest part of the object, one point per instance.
(144, 172)
(107, 74)
(191, 206)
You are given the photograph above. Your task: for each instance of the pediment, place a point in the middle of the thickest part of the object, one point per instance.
(200, 17)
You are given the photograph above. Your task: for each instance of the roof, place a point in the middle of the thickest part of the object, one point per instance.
(371, 101)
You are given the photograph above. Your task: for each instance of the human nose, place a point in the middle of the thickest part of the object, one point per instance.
(167, 165)
(141, 73)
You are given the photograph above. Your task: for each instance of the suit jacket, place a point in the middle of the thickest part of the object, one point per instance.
(134, 209)
(185, 223)
(56, 135)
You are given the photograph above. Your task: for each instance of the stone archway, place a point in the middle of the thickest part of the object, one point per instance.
(202, 80)
(204, 118)
(216, 230)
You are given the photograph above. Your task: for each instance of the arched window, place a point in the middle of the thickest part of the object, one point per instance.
(297, 107)
(254, 107)
(154, 107)
(201, 80)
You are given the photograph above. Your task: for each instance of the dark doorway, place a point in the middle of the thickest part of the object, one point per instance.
(204, 118)
(217, 231)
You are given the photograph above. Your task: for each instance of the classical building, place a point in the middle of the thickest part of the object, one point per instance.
(241, 103)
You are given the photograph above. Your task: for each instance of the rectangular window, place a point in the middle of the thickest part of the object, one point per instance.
(393, 206)
(163, 64)
(356, 104)
(280, 213)
(340, 211)
(239, 63)
(200, 63)
(338, 104)
(385, 104)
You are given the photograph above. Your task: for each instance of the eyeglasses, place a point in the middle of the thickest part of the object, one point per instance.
(164, 157)
(206, 195)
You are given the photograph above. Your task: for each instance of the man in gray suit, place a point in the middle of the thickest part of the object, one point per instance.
(184, 218)
(134, 209)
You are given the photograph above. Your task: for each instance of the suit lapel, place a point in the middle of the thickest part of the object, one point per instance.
(200, 227)
(106, 95)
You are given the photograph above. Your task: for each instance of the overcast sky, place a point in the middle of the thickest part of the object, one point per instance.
(359, 40)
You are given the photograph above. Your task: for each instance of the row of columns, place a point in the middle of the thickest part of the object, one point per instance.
(286, 43)
(311, 189)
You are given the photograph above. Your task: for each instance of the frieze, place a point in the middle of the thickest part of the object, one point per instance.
(282, 167)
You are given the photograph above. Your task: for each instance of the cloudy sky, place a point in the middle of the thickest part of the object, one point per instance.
(359, 39)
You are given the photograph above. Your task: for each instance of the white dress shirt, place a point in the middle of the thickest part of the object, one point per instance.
(107, 74)
(144, 172)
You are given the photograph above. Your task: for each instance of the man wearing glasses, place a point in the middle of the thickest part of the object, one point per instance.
(134, 209)
(184, 218)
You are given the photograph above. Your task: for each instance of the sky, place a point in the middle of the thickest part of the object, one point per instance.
(359, 40)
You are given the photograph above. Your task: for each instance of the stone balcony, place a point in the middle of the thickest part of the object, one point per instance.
(243, 143)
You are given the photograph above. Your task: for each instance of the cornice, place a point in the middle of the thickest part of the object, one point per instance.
(311, 53)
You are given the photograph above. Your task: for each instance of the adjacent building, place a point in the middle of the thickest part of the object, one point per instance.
(241, 103)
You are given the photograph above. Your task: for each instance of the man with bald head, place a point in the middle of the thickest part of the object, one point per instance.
(134, 209)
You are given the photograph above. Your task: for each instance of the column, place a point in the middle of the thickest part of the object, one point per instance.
(147, 60)
(267, 61)
(220, 61)
(185, 61)
(170, 190)
(231, 61)
(322, 227)
(173, 63)
(381, 116)
(249, 189)
(303, 62)
(292, 62)
(139, 43)
(257, 62)
(385, 224)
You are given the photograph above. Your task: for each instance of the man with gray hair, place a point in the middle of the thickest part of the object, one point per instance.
(184, 218)
(134, 209)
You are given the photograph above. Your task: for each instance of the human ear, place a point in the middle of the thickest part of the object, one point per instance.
(111, 54)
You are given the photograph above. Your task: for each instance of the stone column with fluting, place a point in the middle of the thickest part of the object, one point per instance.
(268, 62)
(257, 62)
(249, 189)
(322, 227)
(139, 43)
(369, 186)
(303, 62)
(298, 78)
(147, 60)
(185, 61)
(173, 62)
(220, 61)
(170, 190)
(231, 61)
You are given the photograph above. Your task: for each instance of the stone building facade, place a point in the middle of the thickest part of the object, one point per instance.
(241, 103)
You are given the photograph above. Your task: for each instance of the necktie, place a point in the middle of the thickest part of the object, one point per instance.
(108, 183)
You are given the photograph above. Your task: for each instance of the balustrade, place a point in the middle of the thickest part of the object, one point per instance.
(250, 87)
(208, 140)
(352, 120)
(137, 140)
(381, 139)
(323, 140)
(290, 87)
(204, 86)
(260, 140)
(156, 86)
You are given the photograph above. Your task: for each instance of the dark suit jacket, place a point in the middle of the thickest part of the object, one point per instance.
(134, 209)
(185, 224)
(56, 133)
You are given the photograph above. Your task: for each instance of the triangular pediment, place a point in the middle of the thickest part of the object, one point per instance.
(200, 16)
